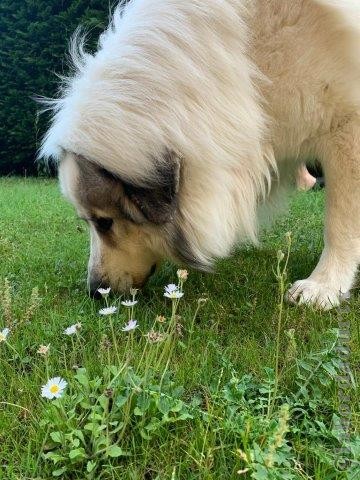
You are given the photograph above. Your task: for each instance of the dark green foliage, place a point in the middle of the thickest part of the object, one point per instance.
(34, 37)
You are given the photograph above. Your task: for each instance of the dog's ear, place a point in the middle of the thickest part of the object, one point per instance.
(157, 201)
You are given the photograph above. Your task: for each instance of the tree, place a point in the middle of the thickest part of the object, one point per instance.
(34, 37)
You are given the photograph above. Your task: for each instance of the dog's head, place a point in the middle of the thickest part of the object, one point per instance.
(122, 121)
(132, 227)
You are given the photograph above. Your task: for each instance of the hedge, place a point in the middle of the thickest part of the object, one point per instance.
(34, 37)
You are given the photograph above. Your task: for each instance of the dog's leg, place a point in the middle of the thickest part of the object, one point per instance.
(334, 275)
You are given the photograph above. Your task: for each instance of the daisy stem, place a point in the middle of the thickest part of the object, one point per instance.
(132, 342)
(12, 348)
(172, 345)
(47, 367)
(109, 363)
(148, 362)
(170, 333)
(149, 357)
(126, 350)
(132, 308)
(73, 350)
(193, 321)
(59, 408)
(281, 277)
(114, 340)
(62, 409)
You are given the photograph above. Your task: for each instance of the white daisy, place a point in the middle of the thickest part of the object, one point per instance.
(107, 310)
(171, 288)
(72, 329)
(131, 325)
(54, 388)
(129, 303)
(3, 334)
(104, 292)
(172, 291)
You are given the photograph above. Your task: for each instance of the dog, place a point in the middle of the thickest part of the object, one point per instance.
(192, 116)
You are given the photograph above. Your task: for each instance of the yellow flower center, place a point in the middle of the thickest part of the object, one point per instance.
(2, 337)
(54, 388)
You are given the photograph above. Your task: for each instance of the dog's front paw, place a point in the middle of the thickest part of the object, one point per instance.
(314, 293)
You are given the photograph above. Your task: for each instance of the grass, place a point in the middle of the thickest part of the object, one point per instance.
(260, 392)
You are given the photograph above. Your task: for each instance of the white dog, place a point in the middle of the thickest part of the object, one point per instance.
(193, 114)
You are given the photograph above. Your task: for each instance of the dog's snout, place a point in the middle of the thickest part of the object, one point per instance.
(121, 284)
(94, 286)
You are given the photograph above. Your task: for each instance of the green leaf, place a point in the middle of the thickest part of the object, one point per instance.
(143, 402)
(60, 471)
(56, 437)
(91, 464)
(261, 473)
(81, 377)
(117, 428)
(55, 457)
(138, 412)
(163, 405)
(329, 367)
(114, 451)
(92, 427)
(75, 442)
(79, 434)
(154, 424)
(77, 453)
(305, 365)
(95, 416)
(104, 402)
(120, 400)
(178, 406)
(185, 416)
(144, 434)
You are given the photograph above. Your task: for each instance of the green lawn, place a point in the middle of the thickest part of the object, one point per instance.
(239, 361)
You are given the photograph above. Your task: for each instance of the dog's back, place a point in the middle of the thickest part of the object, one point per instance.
(310, 52)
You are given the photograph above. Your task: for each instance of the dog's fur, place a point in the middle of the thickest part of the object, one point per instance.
(193, 114)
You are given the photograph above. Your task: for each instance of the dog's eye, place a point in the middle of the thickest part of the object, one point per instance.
(103, 224)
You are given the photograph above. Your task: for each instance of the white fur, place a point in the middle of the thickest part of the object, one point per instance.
(159, 81)
(230, 85)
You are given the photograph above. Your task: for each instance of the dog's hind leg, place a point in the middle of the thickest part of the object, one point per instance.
(334, 275)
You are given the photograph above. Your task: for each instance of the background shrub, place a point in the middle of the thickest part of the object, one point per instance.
(34, 38)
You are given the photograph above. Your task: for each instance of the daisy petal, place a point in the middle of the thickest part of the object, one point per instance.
(108, 310)
(104, 291)
(54, 388)
(131, 325)
(129, 303)
(3, 334)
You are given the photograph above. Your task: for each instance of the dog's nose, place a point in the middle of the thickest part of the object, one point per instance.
(94, 285)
